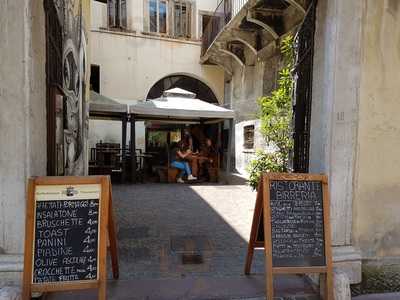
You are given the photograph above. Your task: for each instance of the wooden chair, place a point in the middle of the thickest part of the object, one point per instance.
(172, 174)
(213, 170)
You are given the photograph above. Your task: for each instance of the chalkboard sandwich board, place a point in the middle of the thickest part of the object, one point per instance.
(67, 222)
(291, 222)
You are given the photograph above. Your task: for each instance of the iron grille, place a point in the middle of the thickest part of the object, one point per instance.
(54, 36)
(303, 74)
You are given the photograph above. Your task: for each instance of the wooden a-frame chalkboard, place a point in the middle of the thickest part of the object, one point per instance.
(291, 223)
(69, 227)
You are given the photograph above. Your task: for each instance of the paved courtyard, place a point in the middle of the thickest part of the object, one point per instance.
(187, 242)
(175, 231)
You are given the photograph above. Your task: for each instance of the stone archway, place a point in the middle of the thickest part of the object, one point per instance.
(186, 82)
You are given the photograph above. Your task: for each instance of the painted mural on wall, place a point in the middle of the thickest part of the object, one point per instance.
(73, 16)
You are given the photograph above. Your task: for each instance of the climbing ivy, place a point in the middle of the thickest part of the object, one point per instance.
(276, 117)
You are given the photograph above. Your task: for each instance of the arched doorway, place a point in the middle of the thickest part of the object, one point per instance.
(185, 82)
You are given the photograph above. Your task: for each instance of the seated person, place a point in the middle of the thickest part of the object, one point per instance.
(211, 155)
(178, 160)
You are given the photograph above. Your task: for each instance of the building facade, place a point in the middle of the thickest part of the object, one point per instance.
(143, 47)
(345, 114)
(44, 83)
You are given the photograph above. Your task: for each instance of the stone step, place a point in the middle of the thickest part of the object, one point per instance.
(200, 288)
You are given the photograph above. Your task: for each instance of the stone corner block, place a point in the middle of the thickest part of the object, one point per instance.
(347, 260)
(10, 293)
(341, 286)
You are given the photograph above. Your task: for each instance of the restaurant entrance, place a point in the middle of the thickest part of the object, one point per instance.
(176, 117)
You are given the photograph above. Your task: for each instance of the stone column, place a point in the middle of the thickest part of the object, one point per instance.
(334, 119)
(22, 123)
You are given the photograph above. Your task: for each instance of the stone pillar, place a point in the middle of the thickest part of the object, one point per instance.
(22, 123)
(334, 119)
(341, 286)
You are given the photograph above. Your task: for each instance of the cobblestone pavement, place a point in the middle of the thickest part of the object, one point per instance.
(174, 231)
(187, 242)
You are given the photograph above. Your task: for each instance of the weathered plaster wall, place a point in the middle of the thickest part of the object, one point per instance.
(132, 62)
(99, 15)
(334, 119)
(22, 121)
(22, 113)
(130, 65)
(377, 185)
(244, 156)
(247, 85)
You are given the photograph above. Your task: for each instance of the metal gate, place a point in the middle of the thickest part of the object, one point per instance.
(303, 76)
(54, 82)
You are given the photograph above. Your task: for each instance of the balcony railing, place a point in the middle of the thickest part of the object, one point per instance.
(225, 11)
(237, 6)
(220, 18)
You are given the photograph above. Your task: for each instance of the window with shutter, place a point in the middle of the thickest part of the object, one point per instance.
(162, 17)
(123, 15)
(116, 10)
(158, 16)
(153, 15)
(188, 20)
(248, 137)
(182, 19)
(111, 13)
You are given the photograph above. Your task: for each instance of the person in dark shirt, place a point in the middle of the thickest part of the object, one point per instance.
(178, 158)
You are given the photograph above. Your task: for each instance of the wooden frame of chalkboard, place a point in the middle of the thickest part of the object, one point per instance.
(273, 220)
(59, 210)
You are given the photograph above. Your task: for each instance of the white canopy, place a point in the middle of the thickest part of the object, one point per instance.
(104, 106)
(179, 104)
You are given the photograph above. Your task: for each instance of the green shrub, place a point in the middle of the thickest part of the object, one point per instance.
(265, 162)
(276, 119)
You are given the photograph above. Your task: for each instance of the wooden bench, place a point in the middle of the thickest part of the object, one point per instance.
(168, 174)
(172, 174)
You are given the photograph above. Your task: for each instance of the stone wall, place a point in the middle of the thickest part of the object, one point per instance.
(247, 85)
(355, 133)
(376, 231)
(377, 177)
(334, 120)
(244, 156)
(22, 122)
